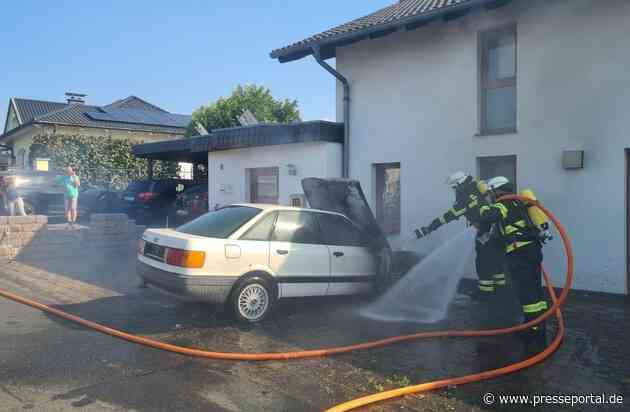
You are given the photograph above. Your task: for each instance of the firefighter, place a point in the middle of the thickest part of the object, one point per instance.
(523, 253)
(469, 194)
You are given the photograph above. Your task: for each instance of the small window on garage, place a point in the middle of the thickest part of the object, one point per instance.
(493, 166)
(262, 229)
(296, 227)
(339, 231)
(497, 75)
(388, 196)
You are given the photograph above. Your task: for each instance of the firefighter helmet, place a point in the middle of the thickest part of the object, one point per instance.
(456, 179)
(500, 182)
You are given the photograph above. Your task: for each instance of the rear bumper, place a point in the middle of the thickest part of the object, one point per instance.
(211, 289)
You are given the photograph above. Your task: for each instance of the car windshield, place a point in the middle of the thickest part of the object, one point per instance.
(220, 223)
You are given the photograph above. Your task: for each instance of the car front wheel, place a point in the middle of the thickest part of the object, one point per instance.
(253, 300)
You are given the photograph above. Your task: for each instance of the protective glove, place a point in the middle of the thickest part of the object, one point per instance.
(422, 232)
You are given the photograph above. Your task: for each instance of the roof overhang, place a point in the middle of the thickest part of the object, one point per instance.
(196, 149)
(193, 150)
(328, 46)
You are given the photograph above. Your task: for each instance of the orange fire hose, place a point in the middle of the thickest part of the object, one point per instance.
(555, 308)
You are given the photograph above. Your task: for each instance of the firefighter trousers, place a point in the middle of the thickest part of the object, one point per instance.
(524, 270)
(490, 265)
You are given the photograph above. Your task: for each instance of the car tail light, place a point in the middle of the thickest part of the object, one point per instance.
(141, 244)
(185, 258)
(146, 196)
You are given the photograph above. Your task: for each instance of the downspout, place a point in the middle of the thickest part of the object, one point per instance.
(345, 168)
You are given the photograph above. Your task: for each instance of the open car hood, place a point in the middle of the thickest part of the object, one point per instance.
(346, 197)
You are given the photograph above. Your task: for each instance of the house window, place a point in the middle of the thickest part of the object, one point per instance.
(497, 68)
(493, 166)
(388, 197)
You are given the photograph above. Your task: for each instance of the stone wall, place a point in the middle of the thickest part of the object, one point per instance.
(17, 232)
(31, 237)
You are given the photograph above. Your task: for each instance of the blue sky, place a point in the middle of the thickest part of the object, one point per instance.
(178, 55)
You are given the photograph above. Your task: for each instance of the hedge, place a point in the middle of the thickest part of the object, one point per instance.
(99, 161)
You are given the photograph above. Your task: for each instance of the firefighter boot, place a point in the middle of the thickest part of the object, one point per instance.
(534, 338)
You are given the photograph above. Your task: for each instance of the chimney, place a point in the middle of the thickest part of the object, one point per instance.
(75, 98)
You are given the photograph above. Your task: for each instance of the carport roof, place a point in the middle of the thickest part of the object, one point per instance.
(196, 149)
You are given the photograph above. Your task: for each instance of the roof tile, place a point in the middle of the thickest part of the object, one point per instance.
(401, 10)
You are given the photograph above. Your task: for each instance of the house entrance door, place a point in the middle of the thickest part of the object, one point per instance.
(264, 185)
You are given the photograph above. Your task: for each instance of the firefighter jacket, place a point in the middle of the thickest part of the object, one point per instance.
(513, 221)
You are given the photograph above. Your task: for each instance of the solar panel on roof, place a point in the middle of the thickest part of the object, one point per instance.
(140, 116)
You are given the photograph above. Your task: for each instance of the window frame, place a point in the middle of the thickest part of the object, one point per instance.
(483, 86)
(491, 158)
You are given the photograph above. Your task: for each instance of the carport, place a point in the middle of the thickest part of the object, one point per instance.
(193, 150)
(262, 163)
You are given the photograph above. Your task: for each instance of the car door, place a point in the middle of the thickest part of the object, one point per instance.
(299, 259)
(353, 267)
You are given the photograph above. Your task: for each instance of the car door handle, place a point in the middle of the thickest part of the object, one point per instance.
(282, 251)
(338, 254)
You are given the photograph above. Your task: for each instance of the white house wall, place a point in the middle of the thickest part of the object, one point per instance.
(414, 101)
(228, 183)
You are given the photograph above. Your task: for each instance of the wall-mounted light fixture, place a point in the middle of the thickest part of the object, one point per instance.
(573, 159)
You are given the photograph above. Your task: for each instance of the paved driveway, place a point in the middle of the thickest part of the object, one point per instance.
(52, 365)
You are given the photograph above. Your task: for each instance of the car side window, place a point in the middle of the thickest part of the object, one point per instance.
(262, 229)
(296, 227)
(339, 231)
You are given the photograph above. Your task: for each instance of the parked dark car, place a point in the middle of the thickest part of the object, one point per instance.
(43, 195)
(191, 203)
(153, 201)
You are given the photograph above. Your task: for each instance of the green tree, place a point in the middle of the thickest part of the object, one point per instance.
(257, 99)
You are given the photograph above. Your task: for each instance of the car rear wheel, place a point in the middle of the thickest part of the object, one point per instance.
(253, 300)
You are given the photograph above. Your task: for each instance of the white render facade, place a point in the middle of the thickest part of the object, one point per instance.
(414, 100)
(229, 177)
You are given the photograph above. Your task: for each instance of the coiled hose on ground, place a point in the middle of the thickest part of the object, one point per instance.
(558, 301)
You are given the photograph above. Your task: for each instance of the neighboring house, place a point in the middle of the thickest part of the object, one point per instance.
(535, 90)
(263, 163)
(130, 118)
